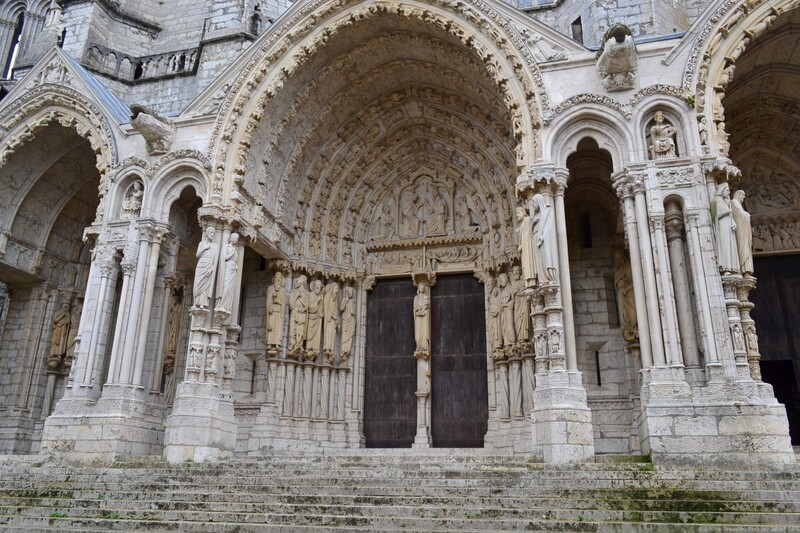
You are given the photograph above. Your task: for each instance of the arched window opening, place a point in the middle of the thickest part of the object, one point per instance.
(13, 52)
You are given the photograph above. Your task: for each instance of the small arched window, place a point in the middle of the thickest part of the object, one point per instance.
(13, 52)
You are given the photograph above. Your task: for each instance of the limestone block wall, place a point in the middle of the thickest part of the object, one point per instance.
(646, 18)
(599, 340)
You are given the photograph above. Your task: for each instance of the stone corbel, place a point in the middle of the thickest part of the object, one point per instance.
(617, 61)
(721, 170)
(534, 179)
(158, 131)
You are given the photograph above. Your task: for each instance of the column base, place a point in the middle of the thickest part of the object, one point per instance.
(202, 426)
(727, 427)
(122, 423)
(561, 418)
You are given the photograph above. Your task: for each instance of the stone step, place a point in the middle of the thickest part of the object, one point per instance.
(265, 502)
(716, 512)
(278, 522)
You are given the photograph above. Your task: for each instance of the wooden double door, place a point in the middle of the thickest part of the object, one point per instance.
(459, 396)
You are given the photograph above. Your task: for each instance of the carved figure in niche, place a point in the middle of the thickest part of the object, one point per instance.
(623, 282)
(74, 325)
(437, 217)
(467, 219)
(58, 342)
(540, 345)
(348, 308)
(132, 204)
(522, 315)
(314, 327)
(506, 299)
(422, 321)
(409, 225)
(724, 227)
(495, 331)
(545, 251)
(298, 316)
(662, 134)
(226, 301)
(744, 233)
(387, 220)
(738, 338)
(276, 303)
(526, 246)
(332, 325)
(723, 145)
(751, 338)
(204, 272)
(555, 341)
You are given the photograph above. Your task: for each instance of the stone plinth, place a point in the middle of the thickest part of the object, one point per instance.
(120, 424)
(562, 420)
(737, 427)
(202, 425)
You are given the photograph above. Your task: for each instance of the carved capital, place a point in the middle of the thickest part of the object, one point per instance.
(424, 278)
(539, 177)
(721, 169)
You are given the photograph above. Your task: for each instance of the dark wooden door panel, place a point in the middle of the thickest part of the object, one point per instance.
(459, 396)
(390, 415)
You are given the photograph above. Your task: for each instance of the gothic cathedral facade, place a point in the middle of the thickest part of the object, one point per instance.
(552, 228)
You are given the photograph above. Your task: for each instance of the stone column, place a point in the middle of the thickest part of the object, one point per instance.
(422, 333)
(153, 236)
(637, 182)
(202, 425)
(673, 221)
(561, 419)
(103, 265)
(625, 193)
(559, 185)
(730, 287)
(747, 284)
(669, 318)
(713, 365)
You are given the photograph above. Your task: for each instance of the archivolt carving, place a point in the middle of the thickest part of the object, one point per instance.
(481, 18)
(48, 103)
(720, 50)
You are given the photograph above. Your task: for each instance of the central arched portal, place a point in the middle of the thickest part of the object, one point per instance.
(390, 157)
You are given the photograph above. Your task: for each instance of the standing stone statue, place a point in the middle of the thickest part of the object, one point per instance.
(276, 303)
(495, 331)
(348, 308)
(229, 276)
(298, 316)
(58, 342)
(331, 313)
(525, 247)
(74, 326)
(132, 204)
(410, 222)
(724, 228)
(623, 282)
(545, 256)
(662, 133)
(204, 272)
(744, 232)
(437, 218)
(314, 325)
(522, 315)
(506, 299)
(422, 319)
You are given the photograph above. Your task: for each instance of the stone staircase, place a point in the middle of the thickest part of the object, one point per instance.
(384, 490)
